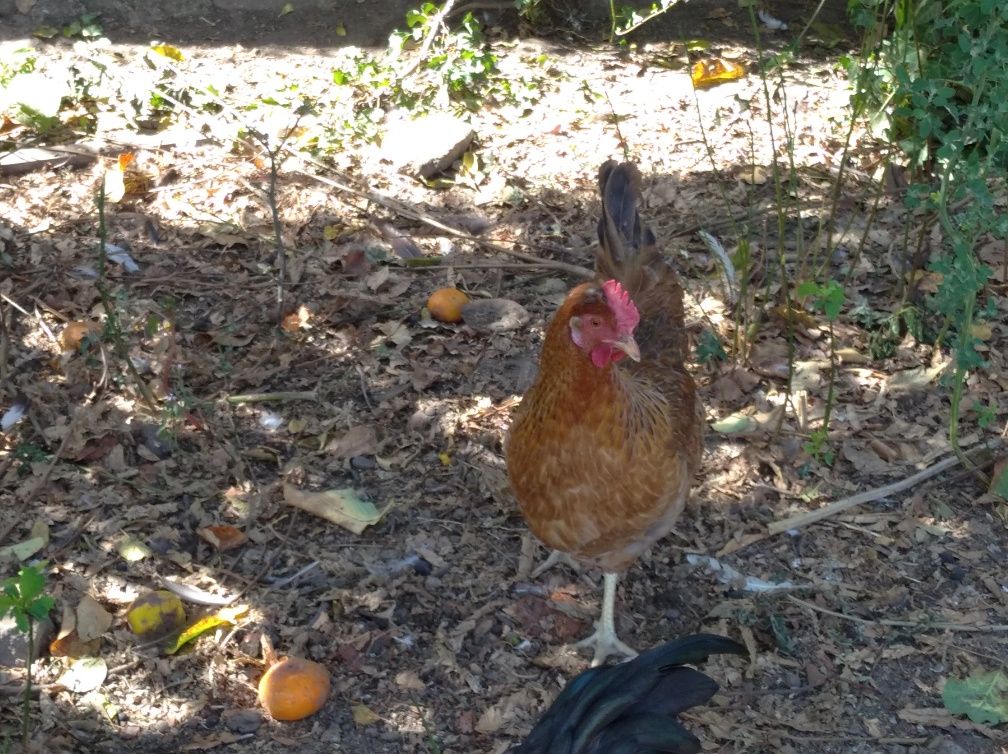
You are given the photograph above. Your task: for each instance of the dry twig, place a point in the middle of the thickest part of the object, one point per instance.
(988, 628)
(810, 517)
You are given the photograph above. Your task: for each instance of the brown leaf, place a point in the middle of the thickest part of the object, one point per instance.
(464, 723)
(296, 320)
(361, 440)
(96, 448)
(864, 458)
(232, 340)
(355, 262)
(364, 715)
(223, 536)
(409, 680)
(92, 619)
(68, 643)
(210, 741)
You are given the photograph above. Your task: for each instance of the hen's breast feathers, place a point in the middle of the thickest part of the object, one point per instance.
(603, 474)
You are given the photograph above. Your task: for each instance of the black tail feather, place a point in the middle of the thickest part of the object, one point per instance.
(604, 706)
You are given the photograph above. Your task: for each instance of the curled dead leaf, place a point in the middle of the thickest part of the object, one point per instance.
(364, 715)
(343, 507)
(85, 674)
(92, 619)
(494, 315)
(67, 643)
(223, 536)
(361, 440)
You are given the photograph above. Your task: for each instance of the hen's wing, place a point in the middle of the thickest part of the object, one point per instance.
(631, 708)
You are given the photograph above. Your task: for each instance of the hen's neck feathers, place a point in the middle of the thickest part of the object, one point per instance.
(563, 365)
(568, 376)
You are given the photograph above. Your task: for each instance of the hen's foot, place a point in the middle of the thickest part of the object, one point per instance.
(556, 557)
(604, 641)
(606, 644)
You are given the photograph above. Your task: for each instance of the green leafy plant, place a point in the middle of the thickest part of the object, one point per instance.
(985, 415)
(934, 81)
(624, 19)
(461, 58)
(982, 697)
(85, 27)
(453, 67)
(534, 12)
(709, 348)
(828, 298)
(22, 60)
(23, 598)
(26, 454)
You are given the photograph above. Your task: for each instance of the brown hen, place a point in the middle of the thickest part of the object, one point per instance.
(602, 449)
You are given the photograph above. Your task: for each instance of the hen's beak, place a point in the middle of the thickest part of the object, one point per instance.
(627, 345)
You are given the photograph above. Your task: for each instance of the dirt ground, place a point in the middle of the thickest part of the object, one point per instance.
(436, 637)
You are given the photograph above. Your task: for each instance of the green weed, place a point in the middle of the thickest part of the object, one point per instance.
(23, 598)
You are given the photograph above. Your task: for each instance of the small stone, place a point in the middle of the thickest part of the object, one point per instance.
(428, 145)
(14, 643)
(242, 720)
(492, 315)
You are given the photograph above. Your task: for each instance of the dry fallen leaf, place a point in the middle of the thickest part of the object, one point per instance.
(296, 320)
(361, 440)
(223, 536)
(85, 674)
(914, 379)
(363, 715)
(92, 619)
(211, 741)
(491, 315)
(23, 550)
(409, 680)
(132, 549)
(343, 507)
(67, 643)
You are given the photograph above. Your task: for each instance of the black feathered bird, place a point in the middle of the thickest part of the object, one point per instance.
(631, 708)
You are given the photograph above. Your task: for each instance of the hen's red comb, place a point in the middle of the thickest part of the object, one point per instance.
(621, 305)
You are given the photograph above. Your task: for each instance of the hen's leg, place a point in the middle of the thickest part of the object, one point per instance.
(604, 641)
(556, 557)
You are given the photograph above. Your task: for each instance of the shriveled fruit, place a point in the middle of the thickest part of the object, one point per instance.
(75, 332)
(445, 304)
(156, 614)
(294, 688)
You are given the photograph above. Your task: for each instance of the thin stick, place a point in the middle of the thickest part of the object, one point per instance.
(413, 213)
(476, 266)
(4, 343)
(306, 395)
(281, 583)
(810, 517)
(918, 624)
